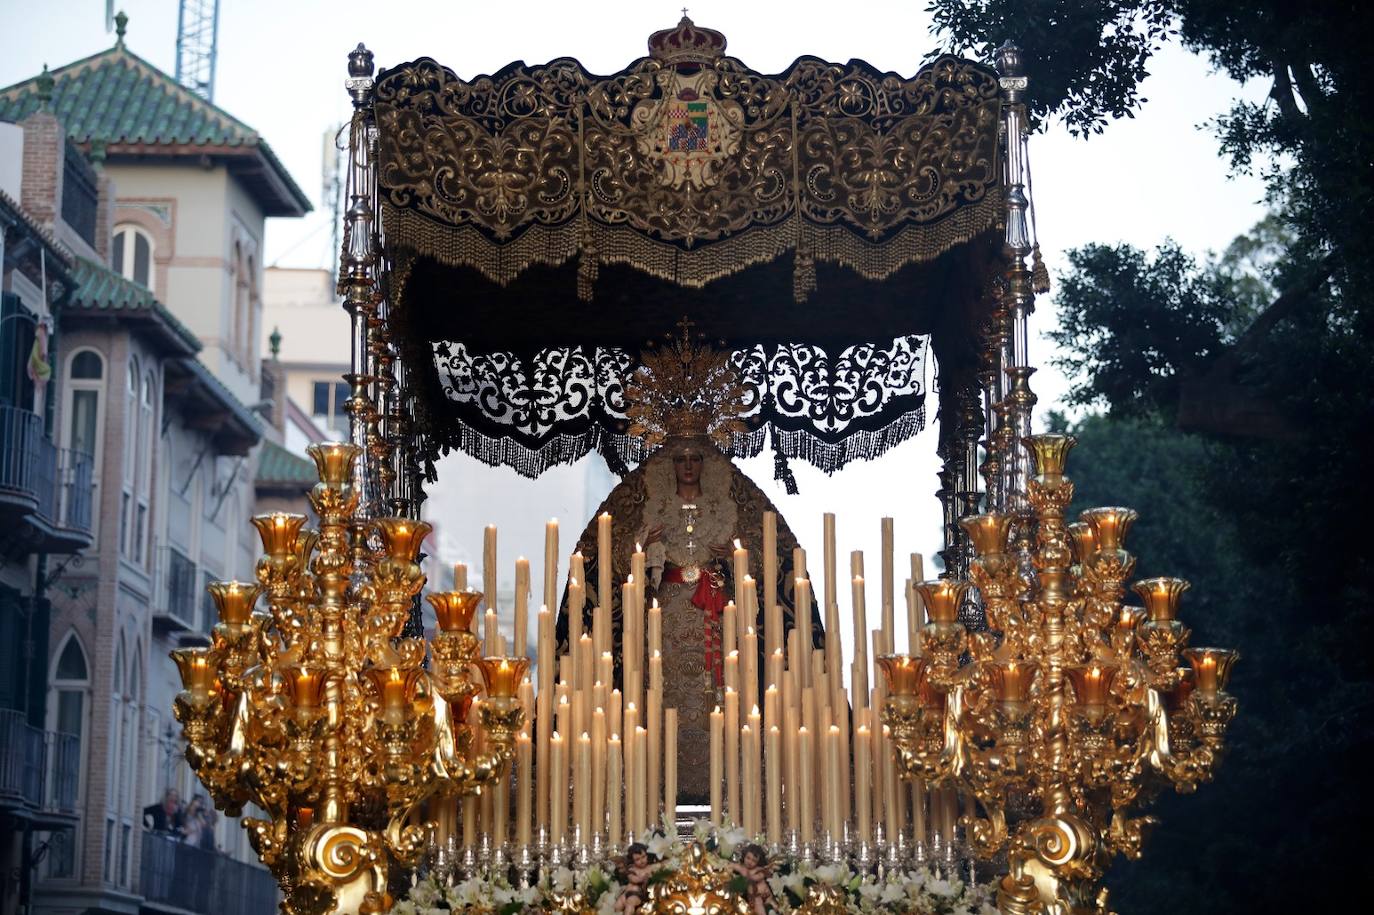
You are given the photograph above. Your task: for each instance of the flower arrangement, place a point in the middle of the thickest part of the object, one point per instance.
(605, 888)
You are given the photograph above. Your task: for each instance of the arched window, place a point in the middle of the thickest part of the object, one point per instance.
(147, 434)
(240, 329)
(68, 716)
(84, 389)
(131, 254)
(250, 340)
(127, 501)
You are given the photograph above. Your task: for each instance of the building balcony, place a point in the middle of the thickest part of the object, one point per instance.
(45, 491)
(178, 877)
(177, 602)
(39, 772)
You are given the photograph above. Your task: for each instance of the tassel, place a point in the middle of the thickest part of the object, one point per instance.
(781, 471)
(588, 266)
(1040, 276)
(803, 272)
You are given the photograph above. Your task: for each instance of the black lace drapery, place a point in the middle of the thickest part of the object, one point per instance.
(560, 403)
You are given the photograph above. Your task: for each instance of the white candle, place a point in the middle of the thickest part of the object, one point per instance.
(773, 772)
(889, 597)
(522, 605)
(717, 764)
(603, 559)
(772, 640)
(582, 785)
(614, 788)
(806, 811)
(558, 792)
(524, 798)
(741, 569)
(670, 764)
(551, 563)
(862, 777)
(489, 568)
(732, 783)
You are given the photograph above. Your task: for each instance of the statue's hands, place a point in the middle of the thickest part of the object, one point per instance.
(655, 535)
(721, 550)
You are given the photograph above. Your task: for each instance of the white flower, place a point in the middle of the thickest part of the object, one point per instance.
(701, 830)
(659, 846)
(404, 907)
(562, 879)
(871, 891)
(727, 840)
(425, 894)
(833, 874)
(938, 886)
(891, 892)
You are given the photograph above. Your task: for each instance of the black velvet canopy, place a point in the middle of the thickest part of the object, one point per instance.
(828, 225)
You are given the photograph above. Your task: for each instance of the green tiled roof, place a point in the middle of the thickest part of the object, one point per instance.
(118, 98)
(277, 465)
(100, 289)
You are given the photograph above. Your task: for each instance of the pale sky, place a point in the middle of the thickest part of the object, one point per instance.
(281, 67)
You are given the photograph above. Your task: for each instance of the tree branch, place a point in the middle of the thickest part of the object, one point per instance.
(1283, 306)
(1282, 92)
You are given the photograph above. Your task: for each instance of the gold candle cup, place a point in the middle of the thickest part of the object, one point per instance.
(1050, 452)
(279, 531)
(453, 610)
(197, 673)
(1011, 680)
(1110, 525)
(1092, 685)
(306, 686)
(334, 461)
(1161, 596)
(403, 537)
(394, 688)
(234, 600)
(1211, 668)
(1084, 540)
(942, 598)
(902, 673)
(502, 676)
(988, 532)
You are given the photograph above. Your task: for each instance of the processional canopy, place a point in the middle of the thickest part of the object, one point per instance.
(823, 225)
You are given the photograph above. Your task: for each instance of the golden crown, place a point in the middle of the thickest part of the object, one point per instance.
(685, 388)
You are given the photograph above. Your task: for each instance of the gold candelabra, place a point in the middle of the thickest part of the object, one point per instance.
(322, 715)
(1072, 711)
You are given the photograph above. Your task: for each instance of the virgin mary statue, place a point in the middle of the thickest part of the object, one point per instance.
(686, 504)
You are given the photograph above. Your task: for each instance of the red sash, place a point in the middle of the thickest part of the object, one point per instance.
(711, 600)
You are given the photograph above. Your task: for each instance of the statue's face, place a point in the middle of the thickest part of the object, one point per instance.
(687, 467)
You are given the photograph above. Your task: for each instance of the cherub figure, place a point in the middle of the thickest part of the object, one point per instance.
(755, 867)
(637, 867)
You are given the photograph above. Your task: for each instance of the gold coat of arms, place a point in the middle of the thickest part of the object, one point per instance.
(688, 132)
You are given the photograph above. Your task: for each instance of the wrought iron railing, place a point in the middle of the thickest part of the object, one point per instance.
(21, 759)
(74, 469)
(193, 879)
(177, 597)
(63, 771)
(58, 480)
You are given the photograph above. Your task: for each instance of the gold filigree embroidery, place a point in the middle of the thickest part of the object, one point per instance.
(688, 176)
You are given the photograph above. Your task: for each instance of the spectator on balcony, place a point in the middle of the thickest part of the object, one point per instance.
(196, 828)
(165, 817)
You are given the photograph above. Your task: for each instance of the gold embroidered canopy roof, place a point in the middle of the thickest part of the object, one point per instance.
(823, 224)
(688, 167)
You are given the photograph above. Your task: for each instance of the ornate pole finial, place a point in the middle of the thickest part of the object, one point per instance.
(360, 70)
(121, 27)
(274, 343)
(43, 86)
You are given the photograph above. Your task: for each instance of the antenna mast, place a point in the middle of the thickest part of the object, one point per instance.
(197, 31)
